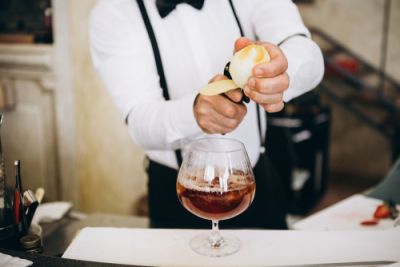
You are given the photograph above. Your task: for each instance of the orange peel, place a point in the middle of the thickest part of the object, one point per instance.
(240, 69)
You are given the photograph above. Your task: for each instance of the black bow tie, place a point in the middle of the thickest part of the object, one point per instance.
(166, 6)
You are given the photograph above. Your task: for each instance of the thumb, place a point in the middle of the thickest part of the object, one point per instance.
(241, 43)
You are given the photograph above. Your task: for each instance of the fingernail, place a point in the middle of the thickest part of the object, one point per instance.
(246, 89)
(258, 72)
(252, 83)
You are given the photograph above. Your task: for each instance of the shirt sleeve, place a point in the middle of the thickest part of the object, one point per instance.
(278, 21)
(122, 55)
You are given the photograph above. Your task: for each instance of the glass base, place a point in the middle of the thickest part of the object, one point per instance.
(203, 244)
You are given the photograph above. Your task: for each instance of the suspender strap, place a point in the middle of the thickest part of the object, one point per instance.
(262, 142)
(291, 36)
(157, 58)
(156, 50)
(236, 18)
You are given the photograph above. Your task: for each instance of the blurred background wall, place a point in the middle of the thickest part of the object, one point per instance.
(355, 148)
(110, 165)
(108, 174)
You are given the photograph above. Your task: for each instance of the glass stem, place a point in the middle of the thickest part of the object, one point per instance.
(215, 238)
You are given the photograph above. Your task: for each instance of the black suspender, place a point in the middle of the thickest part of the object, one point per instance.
(290, 37)
(262, 142)
(156, 50)
(160, 69)
(157, 58)
(236, 18)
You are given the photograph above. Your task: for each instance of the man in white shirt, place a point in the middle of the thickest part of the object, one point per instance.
(161, 105)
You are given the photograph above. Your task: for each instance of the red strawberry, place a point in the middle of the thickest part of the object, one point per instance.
(382, 211)
(369, 222)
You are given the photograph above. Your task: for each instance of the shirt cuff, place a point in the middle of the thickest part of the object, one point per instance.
(182, 128)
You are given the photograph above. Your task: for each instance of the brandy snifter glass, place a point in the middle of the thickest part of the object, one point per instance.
(216, 182)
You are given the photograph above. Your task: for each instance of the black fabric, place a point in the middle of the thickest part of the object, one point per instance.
(268, 210)
(166, 6)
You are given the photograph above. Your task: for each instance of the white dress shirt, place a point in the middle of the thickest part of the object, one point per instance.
(194, 45)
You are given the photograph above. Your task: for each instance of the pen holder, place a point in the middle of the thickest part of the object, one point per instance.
(10, 232)
(12, 237)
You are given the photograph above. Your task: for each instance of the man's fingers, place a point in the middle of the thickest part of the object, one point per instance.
(277, 65)
(227, 123)
(234, 95)
(274, 85)
(219, 113)
(218, 123)
(223, 118)
(230, 110)
(263, 98)
(221, 105)
(271, 108)
(270, 69)
(215, 128)
(241, 43)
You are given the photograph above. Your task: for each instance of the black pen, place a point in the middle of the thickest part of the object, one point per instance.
(32, 203)
(3, 191)
(18, 201)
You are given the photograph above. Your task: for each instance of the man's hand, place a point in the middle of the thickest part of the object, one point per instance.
(219, 114)
(269, 80)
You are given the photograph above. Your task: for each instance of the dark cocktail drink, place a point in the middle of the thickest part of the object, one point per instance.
(215, 182)
(216, 202)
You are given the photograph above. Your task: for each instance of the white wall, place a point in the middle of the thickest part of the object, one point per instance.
(110, 166)
(357, 150)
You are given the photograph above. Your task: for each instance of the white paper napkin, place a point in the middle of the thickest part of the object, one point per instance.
(9, 261)
(161, 247)
(51, 211)
(346, 215)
